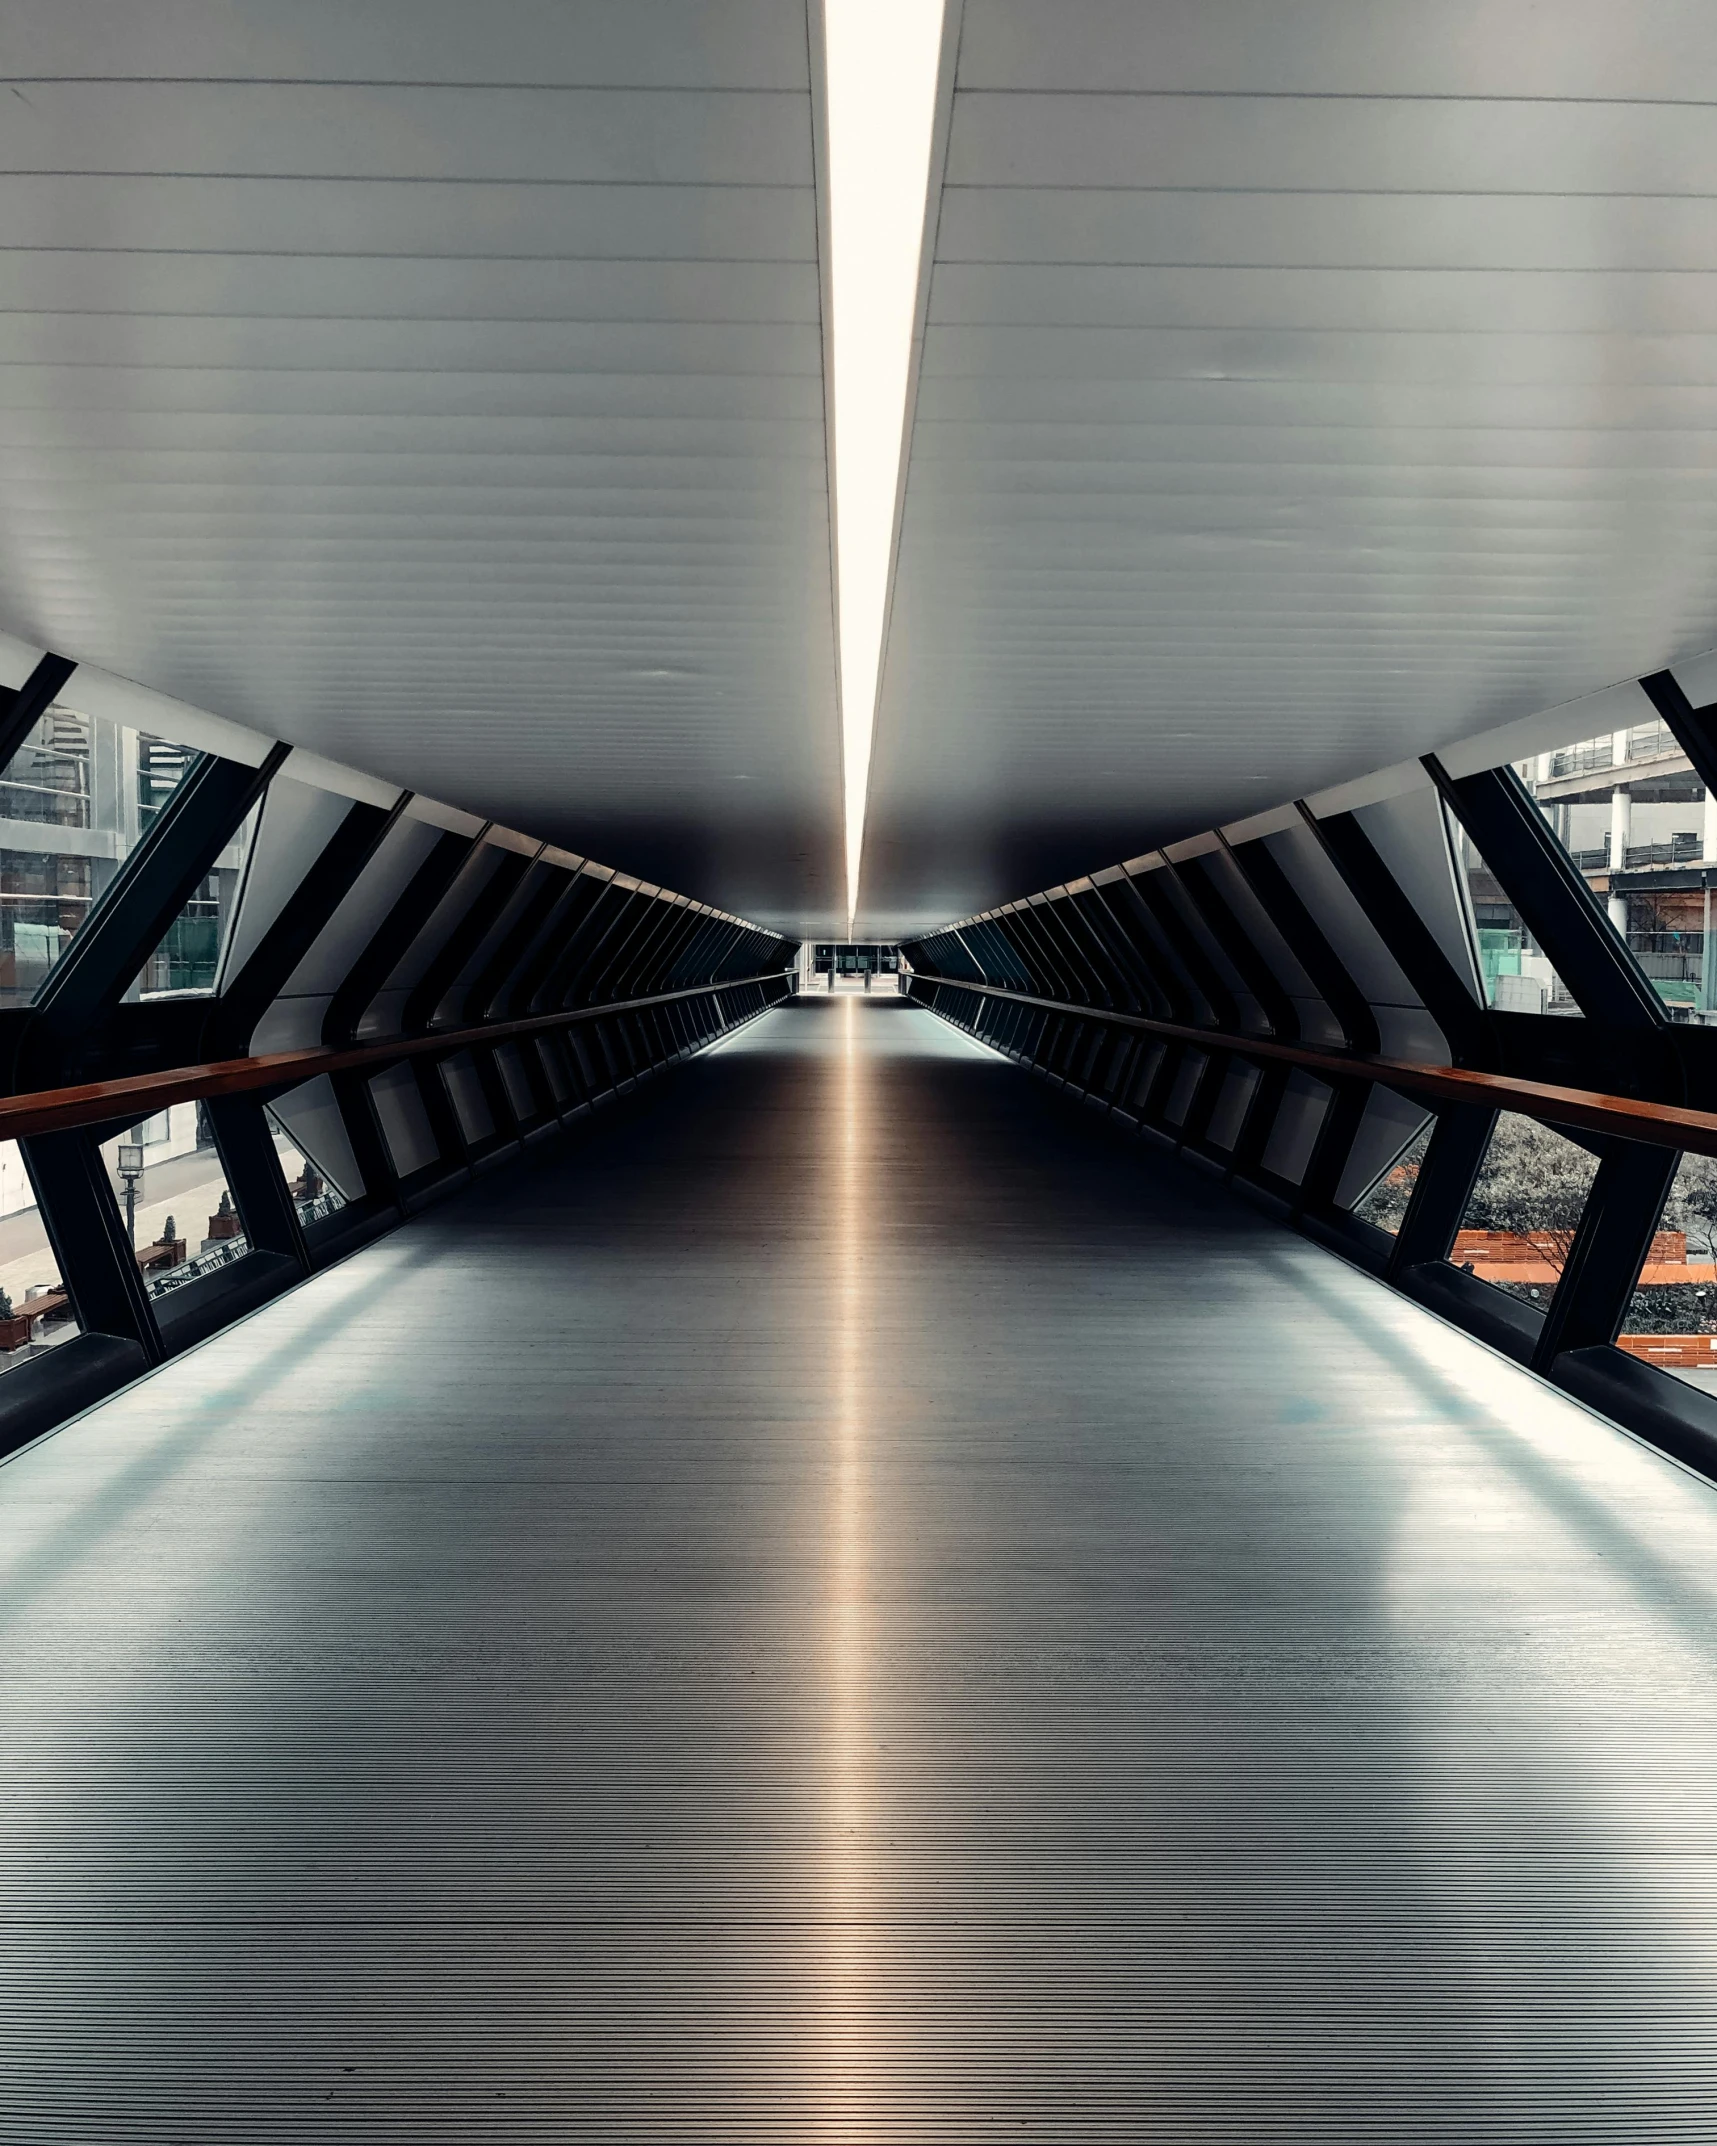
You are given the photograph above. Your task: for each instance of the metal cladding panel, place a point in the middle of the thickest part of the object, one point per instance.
(1303, 388)
(1297, 1125)
(1410, 834)
(1390, 1124)
(295, 824)
(311, 1114)
(1339, 917)
(474, 875)
(405, 1125)
(449, 404)
(407, 843)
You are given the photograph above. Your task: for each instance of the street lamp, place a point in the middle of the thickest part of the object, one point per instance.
(131, 1169)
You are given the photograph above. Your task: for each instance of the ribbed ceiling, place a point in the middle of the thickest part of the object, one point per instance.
(440, 387)
(1304, 385)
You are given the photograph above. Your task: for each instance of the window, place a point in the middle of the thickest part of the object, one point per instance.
(1525, 1206)
(187, 963)
(310, 1140)
(1634, 819)
(178, 1210)
(1385, 1205)
(1671, 1319)
(1666, 936)
(161, 767)
(35, 1312)
(314, 1193)
(1516, 973)
(48, 781)
(74, 800)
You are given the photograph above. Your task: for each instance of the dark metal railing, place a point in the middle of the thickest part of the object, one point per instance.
(1664, 1125)
(136, 1096)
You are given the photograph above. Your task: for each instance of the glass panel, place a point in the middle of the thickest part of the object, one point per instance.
(1671, 1320)
(1520, 1221)
(178, 1210)
(310, 1120)
(187, 963)
(1516, 973)
(314, 1194)
(1385, 1204)
(35, 1312)
(74, 799)
(161, 767)
(1632, 815)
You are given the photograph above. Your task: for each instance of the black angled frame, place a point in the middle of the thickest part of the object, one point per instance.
(533, 937)
(1070, 985)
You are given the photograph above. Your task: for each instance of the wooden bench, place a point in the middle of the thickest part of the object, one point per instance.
(16, 1331)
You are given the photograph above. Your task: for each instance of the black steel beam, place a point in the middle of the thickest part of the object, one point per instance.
(23, 707)
(494, 982)
(1609, 1249)
(1201, 888)
(1406, 936)
(87, 1233)
(1453, 1158)
(301, 921)
(254, 1176)
(130, 920)
(1306, 941)
(392, 937)
(466, 934)
(1695, 729)
(1560, 910)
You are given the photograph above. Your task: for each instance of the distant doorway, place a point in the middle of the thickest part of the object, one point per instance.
(836, 966)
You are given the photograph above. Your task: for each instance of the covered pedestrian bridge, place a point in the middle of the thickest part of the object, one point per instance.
(858, 1174)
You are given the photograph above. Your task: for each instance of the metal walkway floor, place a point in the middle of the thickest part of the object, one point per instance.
(846, 1604)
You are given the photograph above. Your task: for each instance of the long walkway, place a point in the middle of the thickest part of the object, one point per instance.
(849, 1604)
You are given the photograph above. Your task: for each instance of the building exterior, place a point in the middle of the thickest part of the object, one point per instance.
(1641, 829)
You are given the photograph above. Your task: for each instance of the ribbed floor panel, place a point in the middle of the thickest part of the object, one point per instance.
(848, 1606)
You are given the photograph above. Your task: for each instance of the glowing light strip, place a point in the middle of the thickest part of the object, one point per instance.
(882, 60)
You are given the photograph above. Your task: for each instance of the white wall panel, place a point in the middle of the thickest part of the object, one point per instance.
(1390, 1122)
(311, 1114)
(293, 828)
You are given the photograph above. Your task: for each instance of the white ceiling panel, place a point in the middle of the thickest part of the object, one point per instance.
(307, 288)
(440, 389)
(627, 44)
(1155, 229)
(1240, 400)
(464, 346)
(1304, 385)
(169, 216)
(1576, 49)
(211, 390)
(1378, 145)
(393, 131)
(1024, 312)
(1330, 358)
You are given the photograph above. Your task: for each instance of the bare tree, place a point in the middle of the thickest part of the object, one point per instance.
(1385, 1204)
(1692, 1204)
(1533, 1187)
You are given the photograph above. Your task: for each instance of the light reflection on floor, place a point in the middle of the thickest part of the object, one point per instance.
(851, 1785)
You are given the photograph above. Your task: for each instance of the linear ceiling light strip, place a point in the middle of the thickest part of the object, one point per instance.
(882, 58)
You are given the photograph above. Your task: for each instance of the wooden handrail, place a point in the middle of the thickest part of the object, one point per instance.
(140, 1095)
(1661, 1124)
